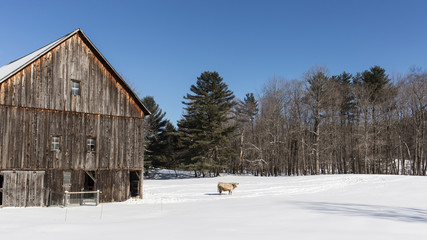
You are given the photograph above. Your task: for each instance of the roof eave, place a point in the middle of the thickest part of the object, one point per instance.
(24, 65)
(123, 82)
(90, 44)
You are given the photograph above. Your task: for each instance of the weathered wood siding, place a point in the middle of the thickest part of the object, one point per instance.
(32, 188)
(26, 133)
(46, 84)
(23, 188)
(37, 103)
(114, 184)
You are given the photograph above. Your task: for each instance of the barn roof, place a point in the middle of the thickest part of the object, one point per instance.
(14, 67)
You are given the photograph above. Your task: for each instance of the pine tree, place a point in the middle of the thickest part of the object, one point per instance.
(373, 87)
(204, 129)
(246, 112)
(248, 108)
(317, 96)
(156, 133)
(375, 81)
(346, 97)
(170, 142)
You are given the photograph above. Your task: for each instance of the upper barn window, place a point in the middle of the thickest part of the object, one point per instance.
(56, 143)
(91, 144)
(75, 87)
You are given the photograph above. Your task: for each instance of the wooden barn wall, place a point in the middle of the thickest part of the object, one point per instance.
(26, 133)
(114, 184)
(23, 188)
(46, 84)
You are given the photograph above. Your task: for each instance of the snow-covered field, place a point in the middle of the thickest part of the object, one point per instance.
(309, 207)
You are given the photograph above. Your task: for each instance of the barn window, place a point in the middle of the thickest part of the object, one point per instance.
(91, 144)
(56, 143)
(67, 178)
(75, 88)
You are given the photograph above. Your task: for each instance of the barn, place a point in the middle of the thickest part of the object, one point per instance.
(68, 123)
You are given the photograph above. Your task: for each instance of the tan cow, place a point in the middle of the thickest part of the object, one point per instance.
(226, 187)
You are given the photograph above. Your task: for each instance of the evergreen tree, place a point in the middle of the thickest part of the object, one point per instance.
(372, 88)
(247, 109)
(156, 154)
(375, 82)
(346, 100)
(317, 97)
(170, 142)
(246, 112)
(205, 130)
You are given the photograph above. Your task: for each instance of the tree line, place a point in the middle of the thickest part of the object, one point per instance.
(361, 123)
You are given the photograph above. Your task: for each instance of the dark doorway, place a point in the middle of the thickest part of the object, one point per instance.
(89, 181)
(1, 189)
(134, 177)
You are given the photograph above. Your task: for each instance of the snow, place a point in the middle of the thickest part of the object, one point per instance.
(304, 207)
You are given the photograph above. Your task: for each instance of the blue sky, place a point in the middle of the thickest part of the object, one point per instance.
(160, 47)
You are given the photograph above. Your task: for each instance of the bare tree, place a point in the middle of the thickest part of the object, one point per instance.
(412, 105)
(317, 80)
(364, 123)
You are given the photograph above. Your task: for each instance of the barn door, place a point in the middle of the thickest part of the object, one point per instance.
(1, 189)
(90, 180)
(23, 188)
(134, 181)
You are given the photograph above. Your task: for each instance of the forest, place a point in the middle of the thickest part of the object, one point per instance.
(353, 123)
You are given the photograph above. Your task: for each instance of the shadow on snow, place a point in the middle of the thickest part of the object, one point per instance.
(376, 211)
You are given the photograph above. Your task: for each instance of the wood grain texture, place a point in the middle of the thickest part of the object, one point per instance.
(37, 103)
(23, 188)
(46, 84)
